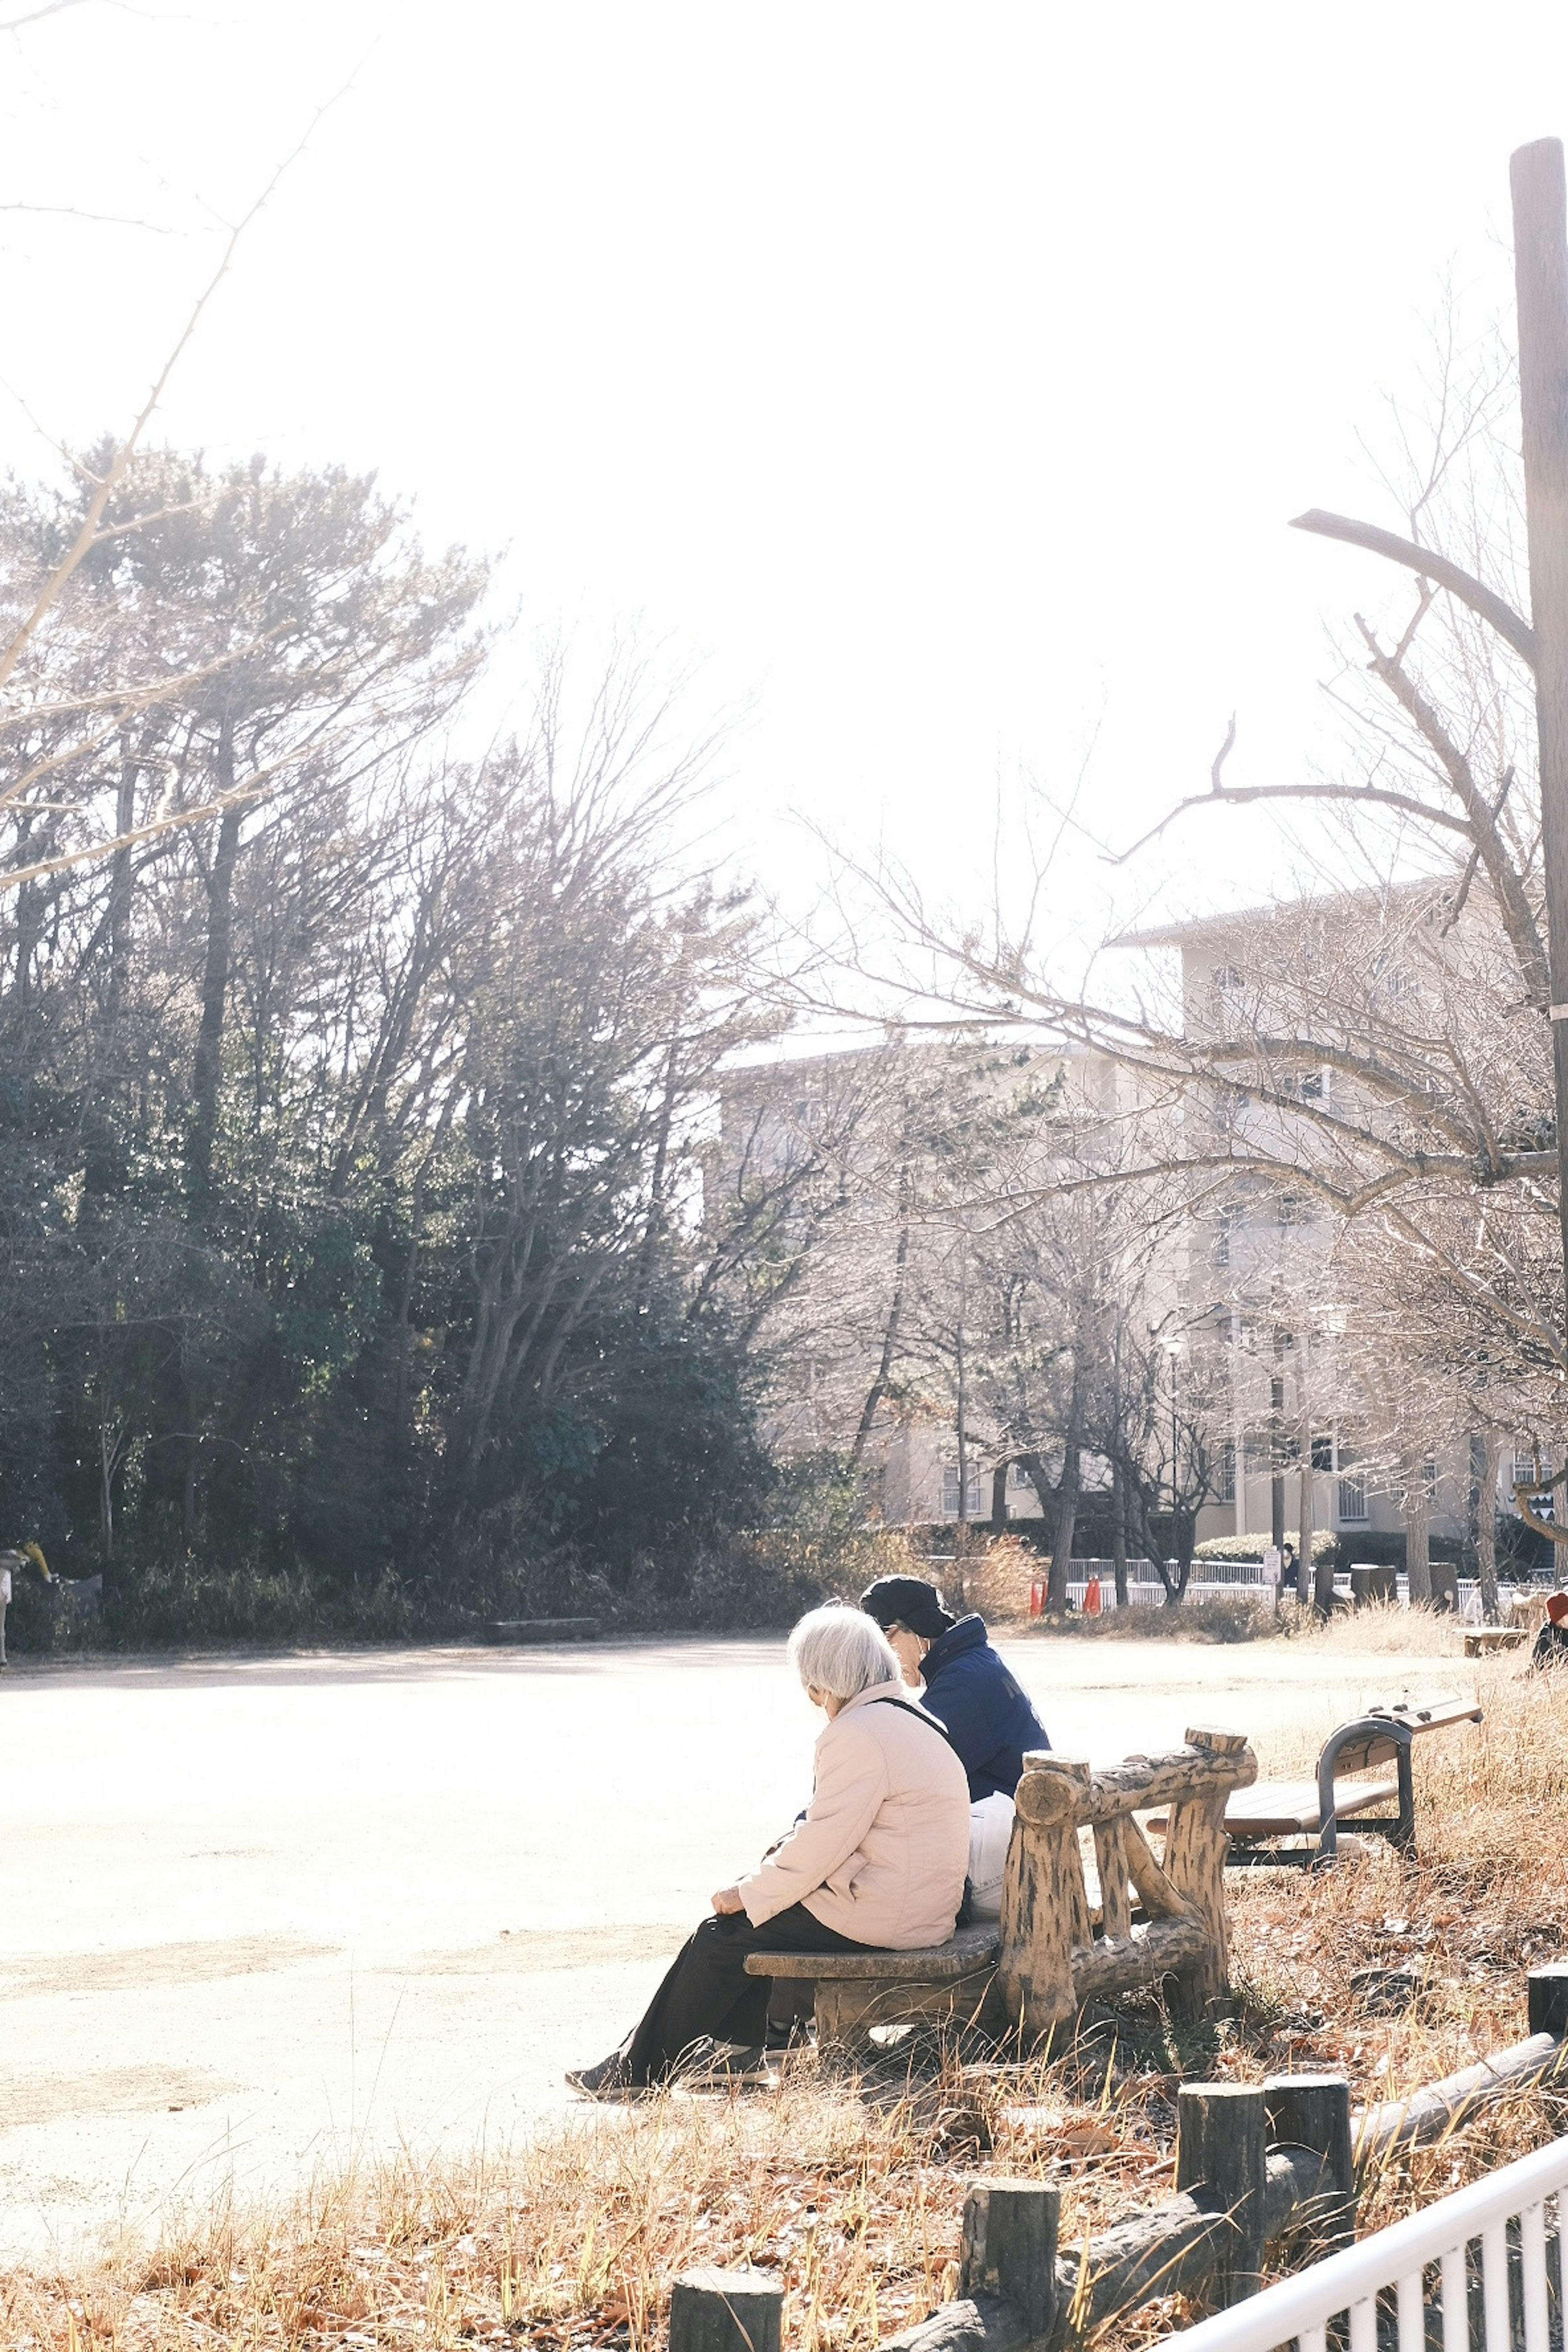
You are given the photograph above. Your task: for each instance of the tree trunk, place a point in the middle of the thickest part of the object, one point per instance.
(1277, 1454)
(207, 1069)
(1417, 1532)
(1485, 1522)
(999, 1496)
(1067, 1516)
(1118, 1533)
(653, 1232)
(963, 1402)
(1540, 281)
(879, 1387)
(1173, 1573)
(106, 1462)
(1314, 1577)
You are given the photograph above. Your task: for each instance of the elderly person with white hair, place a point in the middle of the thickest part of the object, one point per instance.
(877, 1859)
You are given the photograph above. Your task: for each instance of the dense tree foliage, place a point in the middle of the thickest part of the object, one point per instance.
(351, 1140)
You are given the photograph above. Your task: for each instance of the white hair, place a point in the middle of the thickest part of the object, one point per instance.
(841, 1652)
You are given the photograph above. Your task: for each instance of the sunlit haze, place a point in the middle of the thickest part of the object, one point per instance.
(937, 384)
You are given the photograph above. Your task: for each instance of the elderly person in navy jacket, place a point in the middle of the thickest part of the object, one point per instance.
(986, 1716)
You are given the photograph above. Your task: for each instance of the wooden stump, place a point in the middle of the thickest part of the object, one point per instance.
(1222, 2162)
(1548, 1991)
(1313, 2111)
(1009, 2248)
(725, 2311)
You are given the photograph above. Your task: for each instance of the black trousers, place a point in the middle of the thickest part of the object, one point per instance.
(707, 1990)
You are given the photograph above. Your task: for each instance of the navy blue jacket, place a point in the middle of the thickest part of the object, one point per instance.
(987, 1717)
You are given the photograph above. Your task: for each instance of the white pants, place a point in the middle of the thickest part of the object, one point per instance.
(989, 1834)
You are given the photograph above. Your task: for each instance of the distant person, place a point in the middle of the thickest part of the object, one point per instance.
(12, 1564)
(1552, 1642)
(1289, 1577)
(878, 1860)
(987, 1715)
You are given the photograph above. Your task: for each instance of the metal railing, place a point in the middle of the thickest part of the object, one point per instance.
(1386, 2277)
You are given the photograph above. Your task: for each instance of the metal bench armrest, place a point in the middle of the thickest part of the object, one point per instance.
(1366, 1726)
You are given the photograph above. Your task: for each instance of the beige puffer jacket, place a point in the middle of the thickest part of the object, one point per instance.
(882, 1853)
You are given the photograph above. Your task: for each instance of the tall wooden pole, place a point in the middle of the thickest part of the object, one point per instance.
(1541, 279)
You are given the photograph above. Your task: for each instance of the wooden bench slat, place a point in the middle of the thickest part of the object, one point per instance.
(965, 1952)
(1289, 1808)
(1286, 1807)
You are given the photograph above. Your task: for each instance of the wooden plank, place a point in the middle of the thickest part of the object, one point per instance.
(1289, 1808)
(966, 1951)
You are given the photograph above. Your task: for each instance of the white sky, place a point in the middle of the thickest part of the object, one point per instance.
(941, 380)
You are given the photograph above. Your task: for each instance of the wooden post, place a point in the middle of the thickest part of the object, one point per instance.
(1044, 1908)
(1115, 1892)
(1540, 282)
(1009, 2248)
(1313, 2111)
(1222, 2162)
(725, 2311)
(1194, 1866)
(1548, 1990)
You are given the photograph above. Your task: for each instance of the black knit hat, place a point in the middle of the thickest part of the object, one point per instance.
(905, 1600)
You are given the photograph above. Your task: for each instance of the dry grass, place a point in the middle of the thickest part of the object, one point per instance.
(852, 2193)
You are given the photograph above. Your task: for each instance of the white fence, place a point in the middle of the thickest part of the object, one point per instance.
(1503, 2303)
(1217, 1579)
(1210, 1580)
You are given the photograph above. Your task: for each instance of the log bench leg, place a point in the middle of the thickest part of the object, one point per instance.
(847, 2010)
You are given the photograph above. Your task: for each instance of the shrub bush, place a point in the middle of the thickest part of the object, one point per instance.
(1325, 1545)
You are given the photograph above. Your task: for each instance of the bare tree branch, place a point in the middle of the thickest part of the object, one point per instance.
(1425, 561)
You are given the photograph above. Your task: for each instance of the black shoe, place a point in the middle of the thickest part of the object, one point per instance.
(610, 2079)
(794, 2033)
(725, 2065)
(698, 2061)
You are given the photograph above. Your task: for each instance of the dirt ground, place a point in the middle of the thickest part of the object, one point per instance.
(259, 1913)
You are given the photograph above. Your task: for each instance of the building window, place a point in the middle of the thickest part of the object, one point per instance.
(1322, 1451)
(1226, 1472)
(1352, 1501)
(1524, 1459)
(950, 1493)
(1226, 980)
(1016, 1476)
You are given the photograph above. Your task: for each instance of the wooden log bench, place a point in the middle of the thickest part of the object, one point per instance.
(1258, 1817)
(1045, 1958)
(1485, 1641)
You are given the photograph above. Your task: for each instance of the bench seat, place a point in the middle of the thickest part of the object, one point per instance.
(1288, 1809)
(1293, 1807)
(856, 1990)
(965, 1950)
